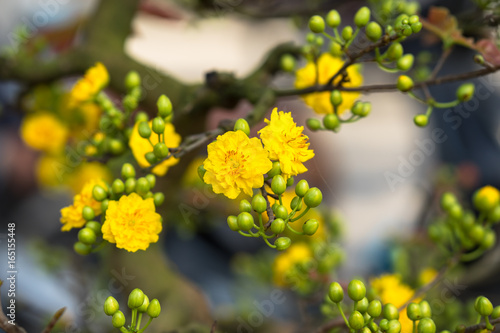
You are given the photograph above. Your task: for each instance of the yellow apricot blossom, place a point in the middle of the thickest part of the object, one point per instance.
(43, 131)
(284, 262)
(94, 80)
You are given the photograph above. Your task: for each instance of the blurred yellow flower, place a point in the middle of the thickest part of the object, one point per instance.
(50, 170)
(427, 275)
(43, 131)
(191, 177)
(328, 65)
(140, 146)
(85, 171)
(391, 289)
(286, 143)
(489, 195)
(132, 223)
(284, 262)
(236, 163)
(95, 79)
(71, 216)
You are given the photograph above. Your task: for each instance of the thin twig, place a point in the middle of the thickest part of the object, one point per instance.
(54, 320)
(478, 327)
(214, 325)
(269, 209)
(440, 62)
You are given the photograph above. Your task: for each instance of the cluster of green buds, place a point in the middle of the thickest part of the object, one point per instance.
(90, 236)
(147, 128)
(461, 231)
(332, 121)
(365, 310)
(485, 310)
(139, 303)
(387, 11)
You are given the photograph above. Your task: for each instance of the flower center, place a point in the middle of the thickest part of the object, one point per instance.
(234, 161)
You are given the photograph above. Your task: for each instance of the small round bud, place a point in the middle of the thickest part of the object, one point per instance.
(151, 157)
(406, 31)
(336, 49)
(158, 125)
(413, 19)
(164, 106)
(136, 298)
(144, 130)
(416, 27)
(347, 33)
(333, 18)
(88, 213)
(476, 233)
(331, 121)
(275, 170)
(426, 325)
(313, 197)
(130, 185)
(281, 212)
(301, 188)
(99, 193)
(296, 203)
(356, 290)
(116, 147)
(141, 116)
(151, 180)
(245, 206)
(486, 198)
(395, 51)
(448, 199)
(160, 150)
(373, 31)
(310, 227)
(336, 97)
(310, 37)
(118, 319)
(357, 108)
(317, 24)
(82, 249)
(367, 108)
(495, 314)
(421, 120)
(144, 307)
(278, 184)
(245, 221)
(290, 181)
(405, 62)
(356, 320)
(335, 292)
(128, 171)
(362, 17)
(362, 305)
(467, 221)
(118, 186)
(87, 236)
(232, 222)
(154, 308)
(465, 92)
(375, 308)
(456, 211)
(313, 124)
(259, 204)
(282, 243)
(394, 326)
(142, 186)
(483, 306)
(489, 240)
(111, 306)
(95, 226)
(390, 312)
(158, 198)
(132, 80)
(287, 63)
(242, 125)
(384, 324)
(479, 59)
(104, 205)
(405, 83)
(494, 215)
(425, 309)
(413, 311)
(278, 226)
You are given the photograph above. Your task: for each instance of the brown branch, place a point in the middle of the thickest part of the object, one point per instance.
(214, 326)
(269, 209)
(54, 320)
(440, 62)
(478, 327)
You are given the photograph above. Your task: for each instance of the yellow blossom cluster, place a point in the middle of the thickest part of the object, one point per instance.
(44, 131)
(285, 262)
(94, 80)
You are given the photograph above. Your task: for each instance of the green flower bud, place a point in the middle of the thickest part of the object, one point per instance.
(416, 27)
(483, 306)
(405, 62)
(335, 292)
(132, 80)
(88, 213)
(405, 83)
(313, 124)
(275, 170)
(232, 222)
(413, 19)
(158, 125)
(245, 221)
(395, 51)
(331, 121)
(435, 233)
(160, 150)
(87, 236)
(278, 226)
(426, 325)
(406, 31)
(201, 171)
(130, 185)
(357, 108)
(144, 130)
(151, 157)
(495, 314)
(494, 215)
(425, 309)
(287, 63)
(362, 305)
(296, 203)
(259, 204)
(142, 186)
(390, 312)
(111, 306)
(158, 198)
(99, 193)
(384, 324)
(489, 240)
(151, 180)
(82, 249)
(278, 185)
(421, 120)
(118, 186)
(242, 125)
(373, 327)
(245, 206)
(104, 205)
(116, 146)
(465, 92)
(336, 97)
(413, 311)
(356, 290)
(301, 188)
(365, 329)
(356, 320)
(476, 234)
(290, 181)
(394, 326)
(118, 319)
(479, 59)
(317, 24)
(128, 171)
(362, 17)
(367, 108)
(456, 211)
(375, 308)
(333, 18)
(154, 308)
(313, 197)
(164, 107)
(95, 226)
(336, 49)
(467, 221)
(144, 307)
(486, 198)
(347, 33)
(281, 212)
(373, 31)
(282, 243)
(310, 227)
(448, 200)
(135, 299)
